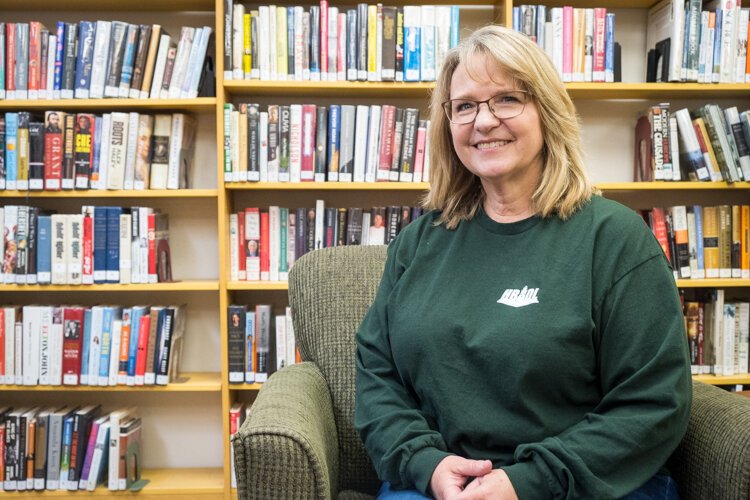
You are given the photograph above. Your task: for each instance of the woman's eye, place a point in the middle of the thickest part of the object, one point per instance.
(464, 106)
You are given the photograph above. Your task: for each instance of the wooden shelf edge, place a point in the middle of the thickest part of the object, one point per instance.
(327, 186)
(192, 483)
(257, 285)
(187, 382)
(723, 380)
(713, 283)
(672, 186)
(245, 387)
(177, 286)
(199, 103)
(95, 193)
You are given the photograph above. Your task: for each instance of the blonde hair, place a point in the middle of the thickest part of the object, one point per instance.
(563, 186)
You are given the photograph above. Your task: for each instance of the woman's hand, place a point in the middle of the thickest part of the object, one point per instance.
(492, 486)
(452, 473)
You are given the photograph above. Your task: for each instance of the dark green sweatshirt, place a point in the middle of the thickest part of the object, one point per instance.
(554, 348)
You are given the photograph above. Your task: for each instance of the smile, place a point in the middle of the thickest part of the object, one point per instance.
(490, 145)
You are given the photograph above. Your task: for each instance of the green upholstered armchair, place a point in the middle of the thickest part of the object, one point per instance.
(299, 440)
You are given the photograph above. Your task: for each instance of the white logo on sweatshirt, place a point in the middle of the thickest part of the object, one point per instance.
(514, 297)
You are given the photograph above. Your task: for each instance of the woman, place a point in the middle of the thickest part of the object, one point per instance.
(527, 339)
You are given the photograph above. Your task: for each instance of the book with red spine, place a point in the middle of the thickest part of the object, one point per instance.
(265, 247)
(419, 151)
(659, 227)
(72, 344)
(140, 360)
(151, 248)
(53, 150)
(241, 257)
(600, 30)
(35, 58)
(122, 368)
(387, 129)
(87, 246)
(307, 169)
(323, 44)
(10, 60)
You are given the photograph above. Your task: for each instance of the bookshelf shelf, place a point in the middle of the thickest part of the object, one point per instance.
(672, 186)
(723, 380)
(198, 104)
(258, 285)
(188, 382)
(325, 89)
(658, 91)
(96, 194)
(178, 484)
(176, 286)
(713, 283)
(245, 387)
(327, 186)
(85, 5)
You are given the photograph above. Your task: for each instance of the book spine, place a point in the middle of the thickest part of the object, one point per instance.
(84, 59)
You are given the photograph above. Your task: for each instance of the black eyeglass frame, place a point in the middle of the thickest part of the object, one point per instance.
(446, 107)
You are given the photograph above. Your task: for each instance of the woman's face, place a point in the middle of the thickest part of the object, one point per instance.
(497, 151)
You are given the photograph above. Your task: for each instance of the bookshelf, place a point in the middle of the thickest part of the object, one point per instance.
(199, 468)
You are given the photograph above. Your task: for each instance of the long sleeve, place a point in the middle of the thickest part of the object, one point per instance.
(403, 444)
(645, 381)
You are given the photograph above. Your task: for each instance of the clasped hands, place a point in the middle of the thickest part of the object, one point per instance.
(449, 480)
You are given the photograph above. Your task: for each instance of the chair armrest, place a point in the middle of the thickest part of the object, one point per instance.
(713, 459)
(289, 443)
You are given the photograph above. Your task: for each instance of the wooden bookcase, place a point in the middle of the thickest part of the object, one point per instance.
(187, 423)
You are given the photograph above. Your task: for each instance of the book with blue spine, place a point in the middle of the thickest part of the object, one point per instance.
(44, 250)
(334, 140)
(84, 59)
(84, 377)
(698, 213)
(126, 75)
(59, 55)
(412, 38)
(102, 375)
(96, 162)
(100, 244)
(113, 244)
(685, 45)
(67, 444)
(136, 315)
(427, 43)
(455, 26)
(11, 151)
(609, 49)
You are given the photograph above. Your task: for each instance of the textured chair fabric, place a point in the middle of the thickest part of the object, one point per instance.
(713, 459)
(299, 440)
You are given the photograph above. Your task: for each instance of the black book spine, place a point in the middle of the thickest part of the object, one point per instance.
(362, 43)
(68, 170)
(253, 138)
(228, 39)
(31, 246)
(354, 226)
(329, 228)
(310, 230)
(321, 140)
(139, 67)
(315, 42)
(411, 118)
(162, 368)
(393, 220)
(116, 55)
(290, 43)
(300, 236)
(399, 62)
(236, 343)
(284, 127)
(341, 227)
(351, 44)
(36, 155)
(69, 59)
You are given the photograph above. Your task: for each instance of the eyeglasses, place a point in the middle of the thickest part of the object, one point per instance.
(502, 106)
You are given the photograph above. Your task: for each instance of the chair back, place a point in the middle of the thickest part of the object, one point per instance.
(330, 291)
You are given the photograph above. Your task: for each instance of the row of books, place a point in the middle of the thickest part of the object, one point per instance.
(579, 41)
(116, 150)
(709, 144)
(96, 346)
(99, 245)
(718, 333)
(259, 342)
(238, 412)
(688, 44)
(96, 59)
(704, 242)
(325, 43)
(336, 143)
(264, 244)
(69, 448)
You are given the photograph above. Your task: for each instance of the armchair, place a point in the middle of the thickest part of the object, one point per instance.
(299, 440)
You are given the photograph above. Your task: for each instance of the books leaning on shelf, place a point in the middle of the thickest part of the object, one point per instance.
(709, 144)
(94, 346)
(237, 414)
(336, 143)
(264, 244)
(704, 242)
(325, 43)
(93, 60)
(579, 41)
(260, 343)
(717, 332)
(688, 44)
(69, 448)
(59, 150)
(100, 245)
